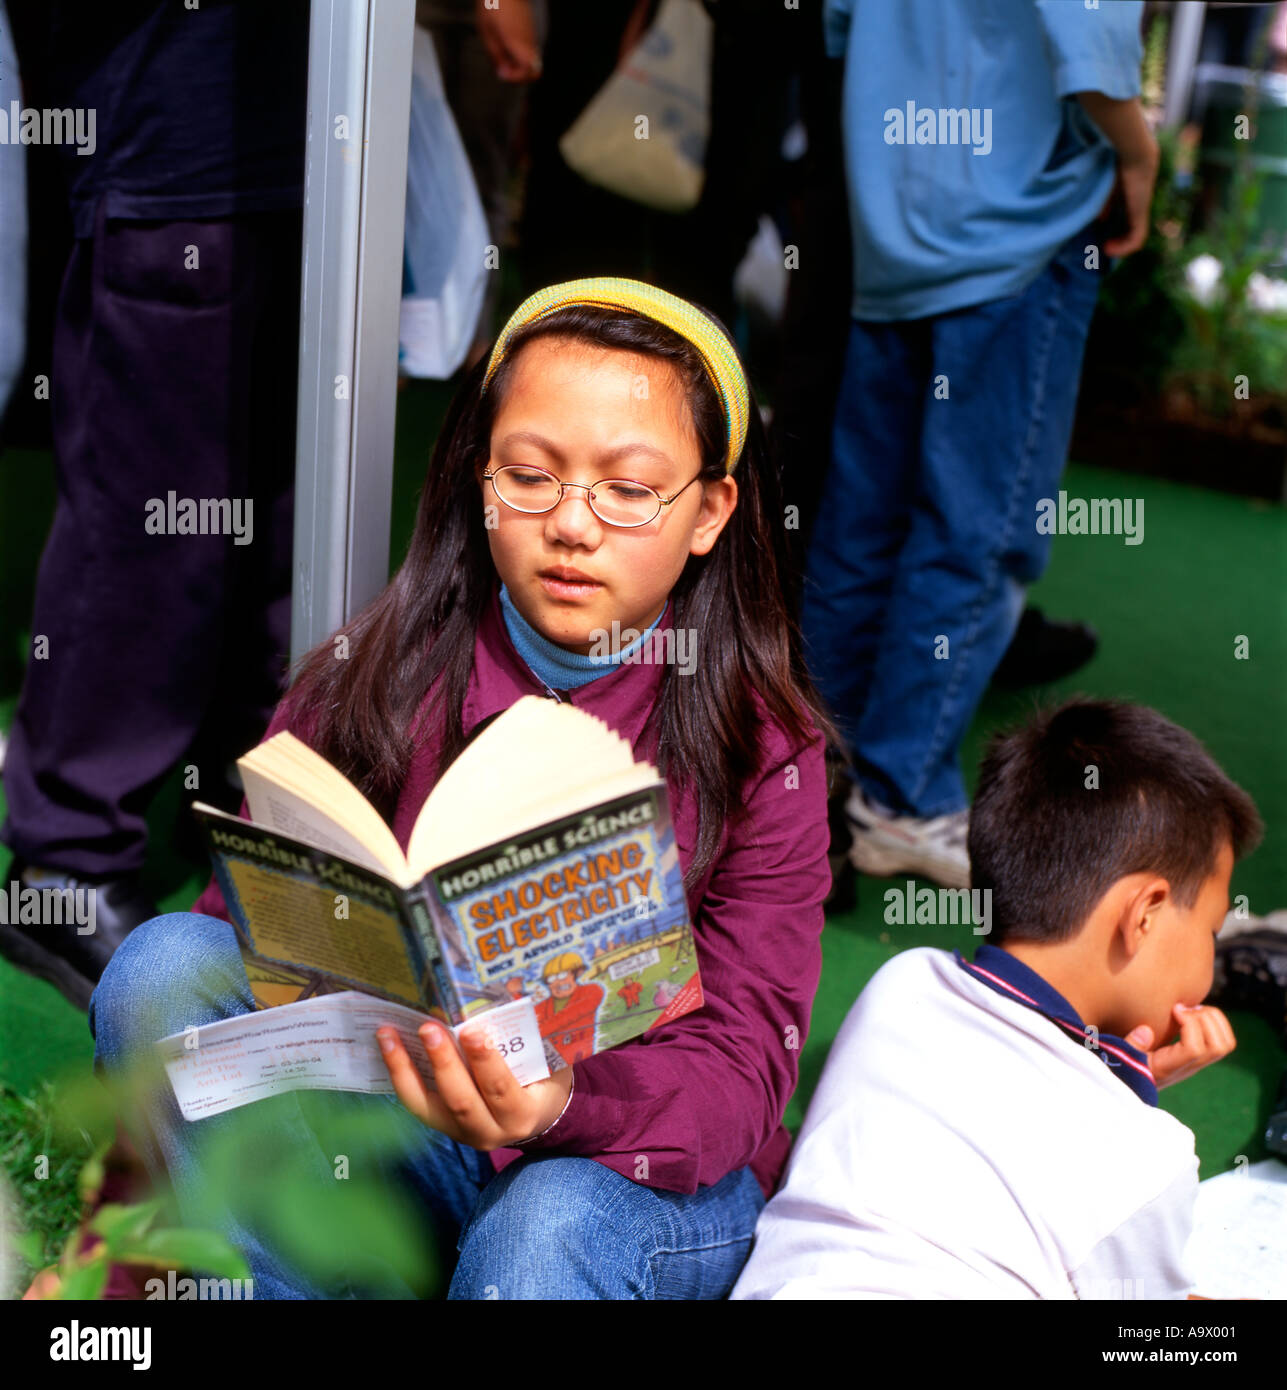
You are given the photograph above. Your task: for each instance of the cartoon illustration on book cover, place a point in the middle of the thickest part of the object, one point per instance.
(595, 931)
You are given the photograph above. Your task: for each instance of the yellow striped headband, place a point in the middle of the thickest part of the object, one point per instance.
(678, 314)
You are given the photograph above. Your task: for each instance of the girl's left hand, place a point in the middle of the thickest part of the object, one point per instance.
(481, 1104)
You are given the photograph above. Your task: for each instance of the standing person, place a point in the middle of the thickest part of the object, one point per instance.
(174, 374)
(980, 151)
(13, 243)
(487, 108)
(13, 230)
(563, 500)
(569, 226)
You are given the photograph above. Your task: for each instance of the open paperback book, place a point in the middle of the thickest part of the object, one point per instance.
(541, 890)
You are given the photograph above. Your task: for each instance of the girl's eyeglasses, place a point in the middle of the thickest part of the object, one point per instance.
(616, 501)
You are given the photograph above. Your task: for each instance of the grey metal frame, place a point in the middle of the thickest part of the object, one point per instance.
(359, 67)
(1187, 18)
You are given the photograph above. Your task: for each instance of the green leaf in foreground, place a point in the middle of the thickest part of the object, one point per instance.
(179, 1248)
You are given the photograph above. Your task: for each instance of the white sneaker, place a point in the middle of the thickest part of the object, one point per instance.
(885, 843)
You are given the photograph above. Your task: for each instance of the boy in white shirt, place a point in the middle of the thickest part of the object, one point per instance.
(989, 1129)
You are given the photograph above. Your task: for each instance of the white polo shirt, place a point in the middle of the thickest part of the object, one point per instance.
(961, 1144)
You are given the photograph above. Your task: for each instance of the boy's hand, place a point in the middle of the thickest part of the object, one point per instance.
(1133, 191)
(1124, 125)
(481, 1104)
(1205, 1036)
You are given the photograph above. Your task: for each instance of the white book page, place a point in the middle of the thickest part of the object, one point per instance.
(276, 808)
(537, 761)
(1238, 1247)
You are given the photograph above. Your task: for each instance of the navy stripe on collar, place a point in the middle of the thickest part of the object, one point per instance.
(1008, 975)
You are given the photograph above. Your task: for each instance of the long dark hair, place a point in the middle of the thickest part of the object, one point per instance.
(425, 622)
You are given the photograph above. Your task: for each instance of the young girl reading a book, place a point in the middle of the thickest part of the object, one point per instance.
(600, 524)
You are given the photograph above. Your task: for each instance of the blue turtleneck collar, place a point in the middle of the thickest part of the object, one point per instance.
(559, 668)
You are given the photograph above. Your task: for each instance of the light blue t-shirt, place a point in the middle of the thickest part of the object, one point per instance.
(968, 161)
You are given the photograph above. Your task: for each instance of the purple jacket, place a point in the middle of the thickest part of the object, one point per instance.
(703, 1095)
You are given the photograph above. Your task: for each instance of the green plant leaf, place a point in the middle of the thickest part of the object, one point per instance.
(355, 1230)
(177, 1248)
(30, 1247)
(90, 1181)
(86, 1281)
(121, 1225)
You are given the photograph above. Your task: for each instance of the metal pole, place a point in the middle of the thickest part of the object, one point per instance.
(1187, 17)
(359, 102)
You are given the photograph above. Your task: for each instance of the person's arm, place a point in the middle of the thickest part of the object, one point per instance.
(508, 33)
(1125, 128)
(1095, 56)
(690, 1102)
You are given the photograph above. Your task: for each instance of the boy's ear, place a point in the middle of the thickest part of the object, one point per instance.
(1141, 911)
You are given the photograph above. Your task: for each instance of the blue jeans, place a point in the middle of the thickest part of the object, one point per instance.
(545, 1228)
(948, 432)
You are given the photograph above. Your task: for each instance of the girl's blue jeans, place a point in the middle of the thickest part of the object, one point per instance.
(548, 1227)
(949, 430)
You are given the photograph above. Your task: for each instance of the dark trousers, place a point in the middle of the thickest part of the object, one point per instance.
(169, 374)
(757, 51)
(571, 228)
(768, 63)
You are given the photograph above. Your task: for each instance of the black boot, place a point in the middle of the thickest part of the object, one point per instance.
(1250, 970)
(1042, 651)
(79, 923)
(1276, 1128)
(1251, 973)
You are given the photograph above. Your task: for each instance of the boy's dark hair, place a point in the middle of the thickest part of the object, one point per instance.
(1087, 793)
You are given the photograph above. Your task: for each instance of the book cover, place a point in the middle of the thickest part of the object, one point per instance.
(311, 922)
(585, 916)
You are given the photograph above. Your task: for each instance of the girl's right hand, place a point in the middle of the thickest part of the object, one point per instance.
(509, 36)
(477, 1101)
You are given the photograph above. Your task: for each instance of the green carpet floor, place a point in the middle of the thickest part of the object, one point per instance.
(1211, 569)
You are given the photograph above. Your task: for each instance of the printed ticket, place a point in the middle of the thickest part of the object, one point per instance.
(326, 1043)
